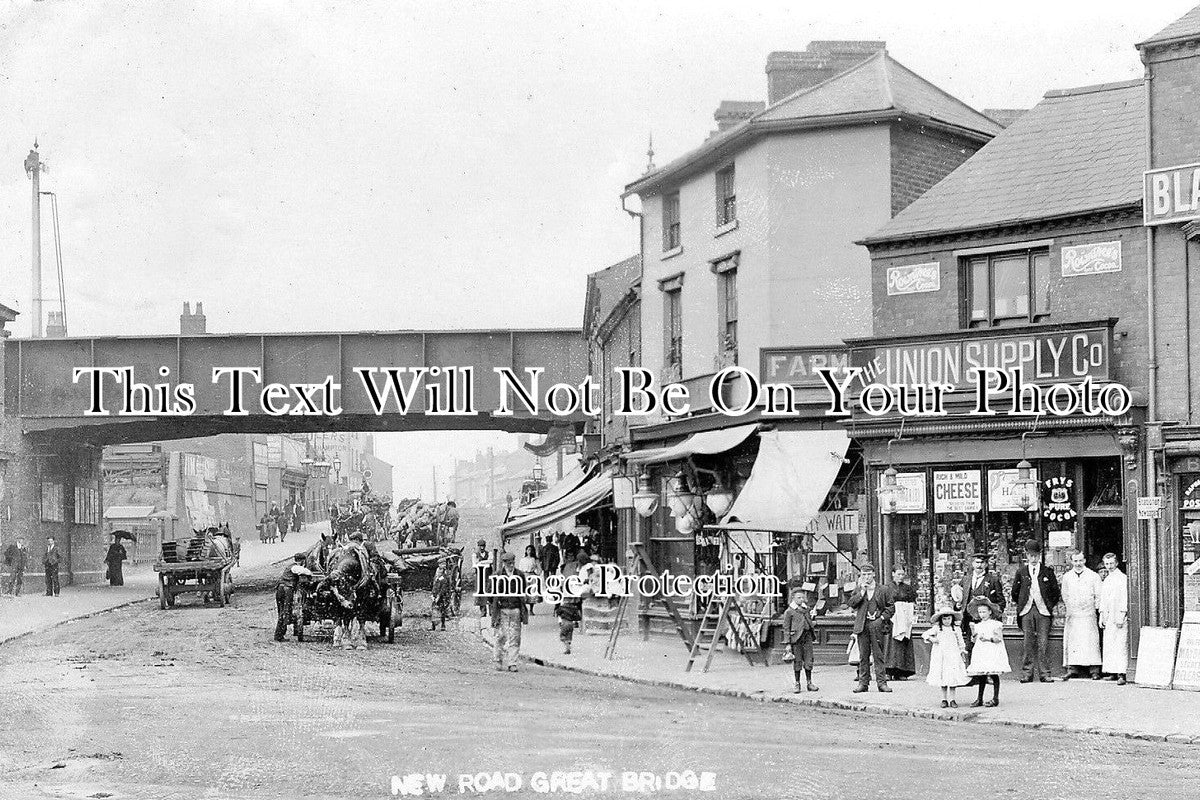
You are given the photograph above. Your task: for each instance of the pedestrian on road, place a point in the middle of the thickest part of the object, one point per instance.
(798, 632)
(112, 559)
(285, 594)
(297, 516)
(549, 556)
(508, 615)
(50, 563)
(16, 558)
(989, 658)
(1035, 592)
(900, 656)
(874, 606)
(570, 612)
(529, 565)
(481, 568)
(1114, 614)
(947, 654)
(1081, 633)
(980, 583)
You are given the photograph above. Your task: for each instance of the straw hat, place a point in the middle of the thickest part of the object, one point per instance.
(945, 611)
(973, 608)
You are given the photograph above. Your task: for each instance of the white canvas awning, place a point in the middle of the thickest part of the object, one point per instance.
(791, 477)
(587, 495)
(568, 484)
(705, 443)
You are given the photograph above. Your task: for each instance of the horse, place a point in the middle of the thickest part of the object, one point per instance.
(358, 585)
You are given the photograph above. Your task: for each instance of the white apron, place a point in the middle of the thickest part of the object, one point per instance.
(1114, 610)
(1081, 635)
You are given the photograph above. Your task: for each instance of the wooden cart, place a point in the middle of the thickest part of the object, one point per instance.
(309, 607)
(200, 564)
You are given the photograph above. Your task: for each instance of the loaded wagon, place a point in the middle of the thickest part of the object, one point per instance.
(199, 564)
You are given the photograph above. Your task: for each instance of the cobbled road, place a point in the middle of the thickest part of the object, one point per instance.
(198, 702)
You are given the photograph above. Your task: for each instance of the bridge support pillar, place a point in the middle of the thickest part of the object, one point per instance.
(52, 487)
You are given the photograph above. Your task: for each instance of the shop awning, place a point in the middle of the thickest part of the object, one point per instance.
(790, 479)
(705, 443)
(587, 495)
(568, 484)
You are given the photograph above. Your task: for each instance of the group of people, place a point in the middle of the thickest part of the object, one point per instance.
(274, 525)
(966, 635)
(16, 561)
(508, 614)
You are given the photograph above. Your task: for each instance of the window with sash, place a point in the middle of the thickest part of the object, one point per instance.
(670, 224)
(1010, 288)
(673, 328)
(726, 196)
(727, 306)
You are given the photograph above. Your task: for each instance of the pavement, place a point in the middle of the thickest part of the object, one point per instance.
(33, 611)
(1077, 706)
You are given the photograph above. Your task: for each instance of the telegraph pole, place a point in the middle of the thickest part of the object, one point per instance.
(34, 168)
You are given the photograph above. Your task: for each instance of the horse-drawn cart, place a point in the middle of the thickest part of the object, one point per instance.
(199, 564)
(315, 602)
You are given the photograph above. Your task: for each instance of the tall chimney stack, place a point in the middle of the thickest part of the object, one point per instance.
(193, 324)
(789, 71)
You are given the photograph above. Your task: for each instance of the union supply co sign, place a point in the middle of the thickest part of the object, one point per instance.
(1064, 355)
(1171, 194)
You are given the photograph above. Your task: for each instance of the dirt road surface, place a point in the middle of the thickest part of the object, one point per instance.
(199, 702)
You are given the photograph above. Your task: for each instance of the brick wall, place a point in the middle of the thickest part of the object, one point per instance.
(1073, 299)
(920, 158)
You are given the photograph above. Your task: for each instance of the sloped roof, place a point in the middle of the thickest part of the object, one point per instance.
(873, 90)
(1076, 151)
(605, 289)
(1186, 27)
(879, 83)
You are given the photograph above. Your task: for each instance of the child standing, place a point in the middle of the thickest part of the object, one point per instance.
(570, 612)
(798, 633)
(989, 658)
(947, 668)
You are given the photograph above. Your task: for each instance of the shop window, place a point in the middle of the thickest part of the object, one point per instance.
(1102, 484)
(1189, 528)
(1006, 288)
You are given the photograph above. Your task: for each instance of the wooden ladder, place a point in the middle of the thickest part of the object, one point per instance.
(722, 615)
(681, 626)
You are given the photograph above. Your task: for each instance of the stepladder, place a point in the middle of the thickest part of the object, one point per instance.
(724, 618)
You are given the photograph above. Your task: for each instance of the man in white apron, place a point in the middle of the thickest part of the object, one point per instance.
(1114, 616)
(1081, 634)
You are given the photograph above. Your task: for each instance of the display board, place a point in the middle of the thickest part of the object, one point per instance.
(1156, 657)
(1187, 657)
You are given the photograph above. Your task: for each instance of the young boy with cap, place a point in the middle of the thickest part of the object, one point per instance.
(798, 634)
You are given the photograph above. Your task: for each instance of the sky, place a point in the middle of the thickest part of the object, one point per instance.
(386, 165)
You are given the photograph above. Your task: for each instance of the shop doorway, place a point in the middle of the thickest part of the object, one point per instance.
(1103, 535)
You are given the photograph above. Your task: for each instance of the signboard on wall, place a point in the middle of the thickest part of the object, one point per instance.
(797, 366)
(914, 278)
(957, 491)
(832, 523)
(1091, 259)
(909, 493)
(1067, 355)
(1171, 194)
(1002, 490)
(1187, 657)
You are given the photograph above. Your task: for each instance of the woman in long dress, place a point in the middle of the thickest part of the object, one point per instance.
(899, 655)
(113, 558)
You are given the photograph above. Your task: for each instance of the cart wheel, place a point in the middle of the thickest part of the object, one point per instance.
(392, 618)
(162, 592)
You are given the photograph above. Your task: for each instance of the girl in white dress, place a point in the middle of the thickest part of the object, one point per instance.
(946, 667)
(989, 657)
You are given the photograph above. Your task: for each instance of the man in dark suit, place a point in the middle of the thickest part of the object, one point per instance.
(874, 605)
(1036, 592)
(980, 583)
(50, 563)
